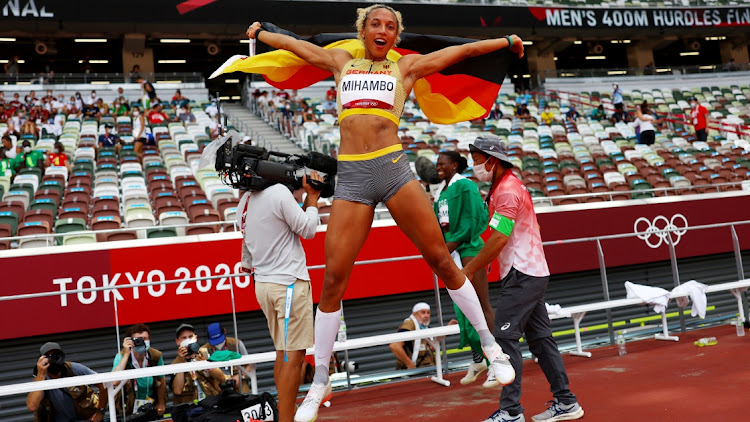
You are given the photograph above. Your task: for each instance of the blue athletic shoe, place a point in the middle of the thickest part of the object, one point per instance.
(503, 416)
(559, 412)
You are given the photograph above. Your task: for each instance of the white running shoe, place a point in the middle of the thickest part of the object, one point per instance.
(501, 372)
(308, 410)
(475, 369)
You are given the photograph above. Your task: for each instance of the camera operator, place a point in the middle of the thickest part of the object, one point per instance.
(272, 223)
(188, 387)
(137, 353)
(68, 404)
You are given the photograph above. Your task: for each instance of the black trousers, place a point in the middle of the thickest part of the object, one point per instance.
(520, 311)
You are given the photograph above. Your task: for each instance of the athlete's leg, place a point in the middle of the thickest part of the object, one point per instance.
(348, 227)
(482, 288)
(412, 212)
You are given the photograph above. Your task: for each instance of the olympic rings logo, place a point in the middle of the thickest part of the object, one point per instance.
(677, 224)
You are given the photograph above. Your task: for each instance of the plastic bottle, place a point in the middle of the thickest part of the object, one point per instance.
(706, 341)
(740, 327)
(620, 340)
(342, 331)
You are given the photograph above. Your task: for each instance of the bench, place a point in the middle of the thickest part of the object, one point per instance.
(577, 312)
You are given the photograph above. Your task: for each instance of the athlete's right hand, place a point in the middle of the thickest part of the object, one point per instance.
(254, 27)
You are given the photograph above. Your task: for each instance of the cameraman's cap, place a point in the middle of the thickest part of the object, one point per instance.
(48, 347)
(183, 327)
(490, 145)
(215, 334)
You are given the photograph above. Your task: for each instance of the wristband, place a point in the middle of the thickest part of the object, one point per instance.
(510, 40)
(258, 31)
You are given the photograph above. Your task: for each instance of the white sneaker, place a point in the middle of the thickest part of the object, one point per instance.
(308, 410)
(501, 372)
(475, 369)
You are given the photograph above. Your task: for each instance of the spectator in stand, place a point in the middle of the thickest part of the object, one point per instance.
(15, 103)
(309, 112)
(699, 114)
(649, 69)
(72, 108)
(91, 111)
(11, 68)
(6, 164)
(38, 114)
(69, 404)
(103, 107)
(330, 103)
(10, 148)
(598, 113)
(156, 115)
(417, 353)
(28, 158)
(572, 115)
(121, 95)
(59, 103)
(51, 128)
(617, 97)
(218, 341)
(149, 93)
(4, 113)
(135, 73)
(184, 384)
(58, 157)
(109, 139)
(620, 115)
(137, 353)
(93, 99)
(119, 107)
(178, 100)
(496, 113)
(731, 66)
(523, 112)
(29, 127)
(141, 132)
(645, 122)
(547, 116)
(186, 115)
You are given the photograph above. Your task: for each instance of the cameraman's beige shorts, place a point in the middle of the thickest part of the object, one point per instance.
(272, 300)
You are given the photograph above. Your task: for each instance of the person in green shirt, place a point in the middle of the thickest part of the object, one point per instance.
(598, 113)
(6, 164)
(28, 158)
(463, 217)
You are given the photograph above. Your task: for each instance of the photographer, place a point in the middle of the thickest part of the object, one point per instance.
(69, 404)
(137, 353)
(272, 223)
(188, 387)
(218, 341)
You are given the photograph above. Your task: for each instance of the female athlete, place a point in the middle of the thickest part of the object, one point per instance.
(371, 94)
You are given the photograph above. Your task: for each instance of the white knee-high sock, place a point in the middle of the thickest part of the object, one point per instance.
(326, 329)
(467, 300)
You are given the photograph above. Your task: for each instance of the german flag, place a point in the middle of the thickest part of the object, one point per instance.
(462, 92)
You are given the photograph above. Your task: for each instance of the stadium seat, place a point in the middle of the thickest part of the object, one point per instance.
(32, 228)
(79, 238)
(159, 232)
(174, 218)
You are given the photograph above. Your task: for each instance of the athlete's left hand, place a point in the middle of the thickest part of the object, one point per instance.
(517, 46)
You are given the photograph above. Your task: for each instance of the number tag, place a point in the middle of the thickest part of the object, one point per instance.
(252, 413)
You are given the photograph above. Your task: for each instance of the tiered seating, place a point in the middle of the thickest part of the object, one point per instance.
(109, 189)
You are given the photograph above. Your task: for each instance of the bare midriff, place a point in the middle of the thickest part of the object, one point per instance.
(361, 134)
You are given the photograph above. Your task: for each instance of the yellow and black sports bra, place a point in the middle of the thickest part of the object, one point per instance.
(371, 87)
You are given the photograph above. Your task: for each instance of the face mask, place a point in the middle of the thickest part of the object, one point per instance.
(55, 150)
(481, 172)
(61, 99)
(142, 349)
(27, 149)
(93, 95)
(220, 345)
(136, 113)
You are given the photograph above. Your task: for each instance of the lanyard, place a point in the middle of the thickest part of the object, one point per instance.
(136, 365)
(287, 312)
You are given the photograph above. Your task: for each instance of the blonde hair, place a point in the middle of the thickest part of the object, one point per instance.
(362, 17)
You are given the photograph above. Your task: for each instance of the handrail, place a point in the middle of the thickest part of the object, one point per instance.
(611, 193)
(364, 262)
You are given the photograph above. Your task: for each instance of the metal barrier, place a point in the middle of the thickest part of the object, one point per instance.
(354, 343)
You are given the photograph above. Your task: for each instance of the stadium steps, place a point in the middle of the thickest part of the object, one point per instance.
(243, 119)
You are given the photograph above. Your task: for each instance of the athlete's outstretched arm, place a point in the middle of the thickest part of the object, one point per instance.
(417, 66)
(331, 60)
